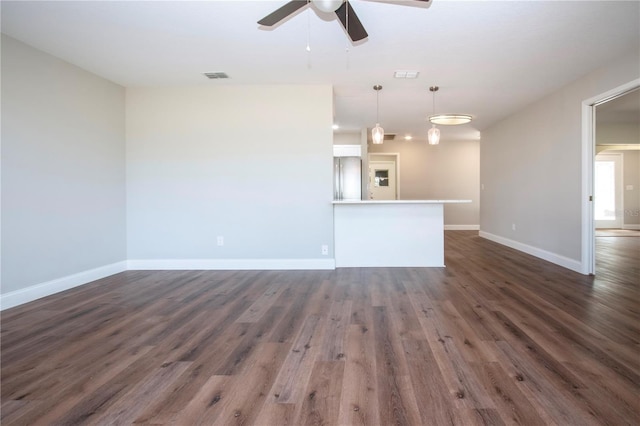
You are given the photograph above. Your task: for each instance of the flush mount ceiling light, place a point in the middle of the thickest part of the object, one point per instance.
(447, 119)
(377, 133)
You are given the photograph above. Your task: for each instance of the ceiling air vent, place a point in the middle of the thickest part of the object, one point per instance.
(389, 136)
(215, 75)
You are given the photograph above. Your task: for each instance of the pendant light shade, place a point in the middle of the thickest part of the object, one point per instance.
(433, 135)
(377, 133)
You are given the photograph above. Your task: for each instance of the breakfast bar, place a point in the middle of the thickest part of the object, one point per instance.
(400, 233)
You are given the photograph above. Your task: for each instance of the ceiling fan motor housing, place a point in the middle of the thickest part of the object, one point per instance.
(328, 6)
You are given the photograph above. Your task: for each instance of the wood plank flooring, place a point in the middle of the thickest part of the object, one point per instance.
(498, 337)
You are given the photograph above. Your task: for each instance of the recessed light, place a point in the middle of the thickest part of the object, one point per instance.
(408, 137)
(335, 127)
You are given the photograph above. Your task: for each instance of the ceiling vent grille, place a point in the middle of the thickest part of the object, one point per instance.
(389, 136)
(215, 75)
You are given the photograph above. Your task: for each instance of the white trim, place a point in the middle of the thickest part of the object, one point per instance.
(588, 257)
(632, 227)
(28, 294)
(462, 227)
(230, 264)
(563, 261)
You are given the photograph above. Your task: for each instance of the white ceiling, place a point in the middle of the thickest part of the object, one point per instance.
(488, 57)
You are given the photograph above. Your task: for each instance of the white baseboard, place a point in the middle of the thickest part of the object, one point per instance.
(632, 227)
(18, 297)
(461, 227)
(563, 261)
(29, 294)
(229, 264)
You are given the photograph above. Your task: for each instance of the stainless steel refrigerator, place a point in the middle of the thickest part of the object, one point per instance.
(347, 178)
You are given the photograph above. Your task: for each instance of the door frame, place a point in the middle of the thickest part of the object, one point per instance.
(396, 160)
(588, 239)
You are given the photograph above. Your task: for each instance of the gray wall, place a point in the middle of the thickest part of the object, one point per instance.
(450, 170)
(250, 163)
(63, 168)
(531, 165)
(631, 188)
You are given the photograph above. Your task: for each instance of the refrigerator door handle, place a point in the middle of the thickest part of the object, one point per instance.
(341, 182)
(337, 179)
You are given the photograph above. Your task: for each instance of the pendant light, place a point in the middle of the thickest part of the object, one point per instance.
(447, 119)
(377, 134)
(433, 135)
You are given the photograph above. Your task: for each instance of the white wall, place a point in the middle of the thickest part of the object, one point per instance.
(250, 163)
(450, 170)
(63, 169)
(531, 168)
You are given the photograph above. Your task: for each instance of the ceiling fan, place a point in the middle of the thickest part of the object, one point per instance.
(341, 8)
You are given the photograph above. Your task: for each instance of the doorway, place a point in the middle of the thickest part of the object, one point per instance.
(384, 176)
(588, 258)
(607, 191)
(382, 180)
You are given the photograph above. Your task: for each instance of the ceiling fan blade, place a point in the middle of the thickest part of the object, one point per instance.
(354, 27)
(283, 12)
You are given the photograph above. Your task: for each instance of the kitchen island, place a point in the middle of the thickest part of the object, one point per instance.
(371, 233)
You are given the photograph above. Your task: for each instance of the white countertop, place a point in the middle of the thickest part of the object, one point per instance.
(366, 202)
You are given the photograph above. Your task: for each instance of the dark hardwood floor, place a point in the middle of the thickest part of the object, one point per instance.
(498, 337)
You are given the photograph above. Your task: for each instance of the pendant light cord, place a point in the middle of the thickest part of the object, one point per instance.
(308, 27)
(377, 106)
(433, 107)
(346, 11)
(308, 35)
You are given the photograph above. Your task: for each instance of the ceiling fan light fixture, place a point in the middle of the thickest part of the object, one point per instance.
(450, 119)
(327, 6)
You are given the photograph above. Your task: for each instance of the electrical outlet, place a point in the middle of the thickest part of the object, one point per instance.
(220, 240)
(482, 186)
(325, 249)
(513, 226)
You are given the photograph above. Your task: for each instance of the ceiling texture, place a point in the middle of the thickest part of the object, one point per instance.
(489, 58)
